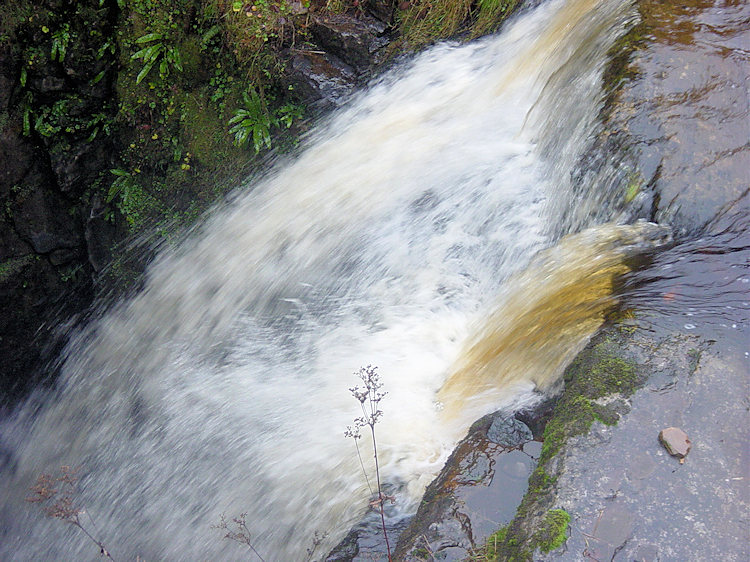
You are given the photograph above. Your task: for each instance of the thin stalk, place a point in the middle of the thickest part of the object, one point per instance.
(362, 464)
(98, 543)
(369, 397)
(381, 499)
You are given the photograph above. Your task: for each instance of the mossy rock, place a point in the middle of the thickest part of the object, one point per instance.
(597, 385)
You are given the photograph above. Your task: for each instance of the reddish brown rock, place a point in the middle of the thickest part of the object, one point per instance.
(676, 442)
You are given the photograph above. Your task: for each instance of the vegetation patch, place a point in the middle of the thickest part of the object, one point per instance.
(554, 530)
(422, 22)
(14, 265)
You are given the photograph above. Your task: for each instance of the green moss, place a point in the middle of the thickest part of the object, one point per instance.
(694, 356)
(11, 267)
(634, 187)
(495, 539)
(553, 532)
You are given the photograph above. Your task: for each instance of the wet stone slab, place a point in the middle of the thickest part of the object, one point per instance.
(630, 500)
(476, 493)
(687, 113)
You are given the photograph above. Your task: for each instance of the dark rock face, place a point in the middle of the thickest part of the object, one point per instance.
(100, 234)
(47, 164)
(41, 219)
(346, 50)
(383, 10)
(476, 492)
(320, 78)
(355, 41)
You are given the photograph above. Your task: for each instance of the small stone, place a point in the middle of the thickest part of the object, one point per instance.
(676, 442)
(509, 432)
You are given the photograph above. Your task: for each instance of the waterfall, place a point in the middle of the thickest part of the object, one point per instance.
(403, 236)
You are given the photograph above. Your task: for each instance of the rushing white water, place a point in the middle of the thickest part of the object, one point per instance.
(223, 385)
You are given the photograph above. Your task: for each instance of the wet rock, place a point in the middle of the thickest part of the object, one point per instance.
(50, 84)
(676, 442)
(100, 235)
(6, 76)
(321, 78)
(509, 432)
(64, 256)
(78, 165)
(611, 531)
(366, 541)
(690, 171)
(476, 493)
(382, 10)
(536, 418)
(646, 553)
(355, 41)
(346, 550)
(41, 218)
(17, 157)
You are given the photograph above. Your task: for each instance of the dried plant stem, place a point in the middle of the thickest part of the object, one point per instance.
(362, 464)
(240, 534)
(57, 496)
(369, 397)
(381, 497)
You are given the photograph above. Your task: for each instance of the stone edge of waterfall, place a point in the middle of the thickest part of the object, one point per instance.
(601, 457)
(598, 384)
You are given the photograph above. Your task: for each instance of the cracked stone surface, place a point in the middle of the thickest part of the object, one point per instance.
(630, 500)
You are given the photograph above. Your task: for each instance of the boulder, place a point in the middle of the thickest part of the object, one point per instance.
(355, 41)
(320, 78)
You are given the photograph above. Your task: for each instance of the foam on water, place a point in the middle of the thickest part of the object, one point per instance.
(391, 240)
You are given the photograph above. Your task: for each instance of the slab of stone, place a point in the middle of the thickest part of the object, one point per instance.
(628, 501)
(476, 493)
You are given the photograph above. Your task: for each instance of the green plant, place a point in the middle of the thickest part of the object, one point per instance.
(168, 56)
(71, 273)
(288, 113)
(134, 202)
(27, 112)
(60, 41)
(369, 396)
(252, 121)
(121, 184)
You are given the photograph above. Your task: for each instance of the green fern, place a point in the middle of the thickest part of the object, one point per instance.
(252, 121)
(157, 52)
